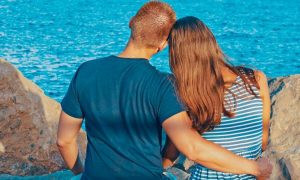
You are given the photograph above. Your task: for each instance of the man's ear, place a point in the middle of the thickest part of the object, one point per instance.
(131, 21)
(162, 46)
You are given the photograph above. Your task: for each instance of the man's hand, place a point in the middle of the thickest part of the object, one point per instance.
(265, 168)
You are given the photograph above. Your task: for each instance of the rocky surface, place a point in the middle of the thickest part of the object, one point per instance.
(284, 142)
(28, 127)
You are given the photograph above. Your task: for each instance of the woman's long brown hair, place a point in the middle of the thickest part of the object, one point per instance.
(196, 61)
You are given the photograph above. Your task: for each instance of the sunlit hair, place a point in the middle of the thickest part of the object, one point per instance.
(196, 61)
(152, 24)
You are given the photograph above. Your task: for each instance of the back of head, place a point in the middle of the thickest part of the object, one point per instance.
(152, 24)
(196, 61)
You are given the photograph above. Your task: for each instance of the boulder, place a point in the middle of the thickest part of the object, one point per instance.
(284, 142)
(28, 127)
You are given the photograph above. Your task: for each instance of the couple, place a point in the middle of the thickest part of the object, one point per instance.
(214, 113)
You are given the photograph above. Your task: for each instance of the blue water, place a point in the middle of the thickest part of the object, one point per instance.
(47, 40)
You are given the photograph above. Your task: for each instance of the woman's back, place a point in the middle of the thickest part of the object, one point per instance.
(241, 134)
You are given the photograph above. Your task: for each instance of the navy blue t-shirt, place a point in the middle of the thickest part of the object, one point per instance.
(124, 101)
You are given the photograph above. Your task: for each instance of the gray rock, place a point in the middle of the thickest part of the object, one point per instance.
(284, 142)
(28, 127)
(174, 173)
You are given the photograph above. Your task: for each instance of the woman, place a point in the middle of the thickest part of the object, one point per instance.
(228, 105)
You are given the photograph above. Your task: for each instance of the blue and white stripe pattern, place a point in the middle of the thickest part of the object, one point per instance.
(241, 134)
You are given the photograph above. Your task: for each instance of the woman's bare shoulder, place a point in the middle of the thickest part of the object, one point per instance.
(262, 81)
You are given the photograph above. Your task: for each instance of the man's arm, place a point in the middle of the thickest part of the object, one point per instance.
(194, 147)
(68, 130)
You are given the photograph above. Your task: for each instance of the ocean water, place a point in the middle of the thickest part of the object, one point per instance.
(47, 40)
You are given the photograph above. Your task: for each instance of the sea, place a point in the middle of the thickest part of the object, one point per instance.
(48, 39)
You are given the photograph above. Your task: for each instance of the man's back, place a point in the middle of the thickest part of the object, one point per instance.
(124, 101)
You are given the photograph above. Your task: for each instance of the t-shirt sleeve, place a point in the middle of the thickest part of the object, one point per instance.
(169, 103)
(70, 103)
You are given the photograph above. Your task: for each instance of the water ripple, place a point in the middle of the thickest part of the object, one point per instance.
(48, 40)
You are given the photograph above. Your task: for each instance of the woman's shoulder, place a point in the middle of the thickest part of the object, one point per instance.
(262, 81)
(260, 76)
(257, 74)
(249, 72)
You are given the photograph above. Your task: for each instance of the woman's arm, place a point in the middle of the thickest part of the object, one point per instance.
(265, 95)
(170, 153)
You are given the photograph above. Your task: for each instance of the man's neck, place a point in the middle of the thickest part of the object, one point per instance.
(132, 51)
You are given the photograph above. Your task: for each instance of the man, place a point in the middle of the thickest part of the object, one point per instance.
(125, 102)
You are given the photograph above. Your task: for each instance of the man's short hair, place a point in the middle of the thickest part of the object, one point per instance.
(152, 24)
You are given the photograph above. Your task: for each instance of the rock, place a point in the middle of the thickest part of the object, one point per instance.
(174, 173)
(284, 141)
(28, 127)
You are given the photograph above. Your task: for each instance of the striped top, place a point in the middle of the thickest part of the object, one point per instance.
(241, 134)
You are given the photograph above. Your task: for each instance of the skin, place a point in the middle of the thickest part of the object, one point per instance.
(177, 127)
(68, 130)
(170, 151)
(265, 95)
